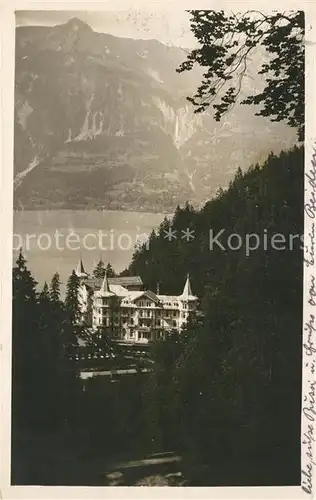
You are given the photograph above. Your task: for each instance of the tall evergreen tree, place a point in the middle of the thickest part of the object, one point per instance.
(45, 295)
(72, 298)
(24, 285)
(227, 392)
(26, 352)
(71, 331)
(45, 384)
(99, 270)
(55, 288)
(110, 271)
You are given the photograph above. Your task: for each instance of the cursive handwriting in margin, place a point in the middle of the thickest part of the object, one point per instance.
(309, 331)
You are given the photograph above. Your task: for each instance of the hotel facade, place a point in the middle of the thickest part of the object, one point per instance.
(129, 312)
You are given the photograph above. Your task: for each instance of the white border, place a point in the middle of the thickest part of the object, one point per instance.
(7, 26)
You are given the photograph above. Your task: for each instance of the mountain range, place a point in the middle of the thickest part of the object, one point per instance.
(103, 122)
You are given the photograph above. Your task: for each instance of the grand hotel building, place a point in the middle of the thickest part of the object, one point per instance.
(131, 313)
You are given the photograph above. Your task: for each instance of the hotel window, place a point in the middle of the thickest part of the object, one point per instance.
(174, 323)
(174, 313)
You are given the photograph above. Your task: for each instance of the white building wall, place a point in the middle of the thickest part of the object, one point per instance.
(141, 320)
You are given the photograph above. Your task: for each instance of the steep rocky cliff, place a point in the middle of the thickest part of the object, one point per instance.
(104, 121)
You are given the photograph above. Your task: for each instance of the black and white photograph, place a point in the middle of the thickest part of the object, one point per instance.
(158, 249)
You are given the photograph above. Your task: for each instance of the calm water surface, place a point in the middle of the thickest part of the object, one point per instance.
(55, 240)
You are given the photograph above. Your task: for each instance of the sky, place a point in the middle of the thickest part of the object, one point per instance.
(169, 27)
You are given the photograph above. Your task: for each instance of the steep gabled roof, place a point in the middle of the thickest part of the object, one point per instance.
(132, 296)
(119, 290)
(151, 295)
(124, 281)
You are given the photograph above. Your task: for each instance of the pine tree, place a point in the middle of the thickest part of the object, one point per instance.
(50, 324)
(24, 285)
(58, 311)
(45, 295)
(26, 354)
(72, 299)
(102, 339)
(45, 382)
(55, 288)
(45, 319)
(241, 367)
(72, 329)
(110, 271)
(99, 270)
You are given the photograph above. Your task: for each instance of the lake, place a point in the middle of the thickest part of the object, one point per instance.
(55, 240)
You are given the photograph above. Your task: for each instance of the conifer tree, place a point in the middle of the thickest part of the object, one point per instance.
(110, 271)
(26, 353)
(24, 285)
(57, 308)
(44, 295)
(239, 366)
(55, 288)
(72, 300)
(71, 330)
(99, 270)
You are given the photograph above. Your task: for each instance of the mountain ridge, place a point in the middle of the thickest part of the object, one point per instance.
(103, 121)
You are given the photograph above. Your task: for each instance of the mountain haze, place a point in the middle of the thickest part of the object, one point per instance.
(103, 121)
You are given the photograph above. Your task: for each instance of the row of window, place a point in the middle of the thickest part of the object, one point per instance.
(106, 322)
(143, 335)
(144, 314)
(116, 318)
(141, 303)
(157, 311)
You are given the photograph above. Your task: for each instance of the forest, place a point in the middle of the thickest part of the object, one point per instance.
(224, 393)
(226, 390)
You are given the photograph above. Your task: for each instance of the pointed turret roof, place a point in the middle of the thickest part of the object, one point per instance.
(80, 271)
(105, 284)
(105, 287)
(187, 287)
(187, 290)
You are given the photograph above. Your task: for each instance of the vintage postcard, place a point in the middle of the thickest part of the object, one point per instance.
(158, 289)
